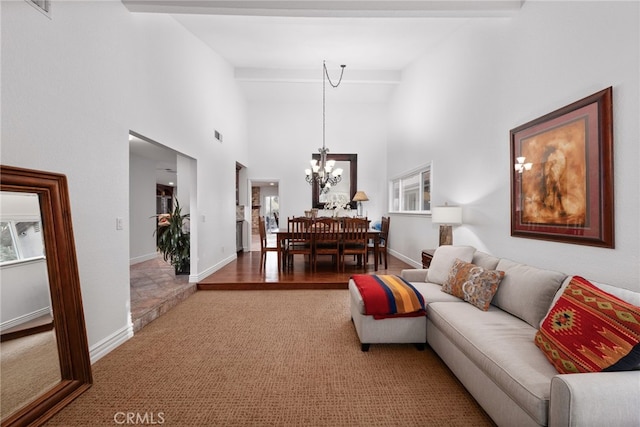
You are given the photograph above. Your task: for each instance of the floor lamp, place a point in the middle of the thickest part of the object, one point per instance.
(446, 216)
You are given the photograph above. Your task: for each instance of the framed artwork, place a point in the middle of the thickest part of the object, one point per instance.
(562, 174)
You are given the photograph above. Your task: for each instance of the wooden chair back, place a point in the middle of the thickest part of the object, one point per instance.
(326, 232)
(300, 239)
(384, 232)
(355, 232)
(326, 240)
(263, 232)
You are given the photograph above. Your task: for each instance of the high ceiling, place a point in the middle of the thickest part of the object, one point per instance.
(272, 44)
(298, 35)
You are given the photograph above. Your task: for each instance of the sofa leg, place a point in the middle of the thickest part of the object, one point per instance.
(364, 347)
(420, 346)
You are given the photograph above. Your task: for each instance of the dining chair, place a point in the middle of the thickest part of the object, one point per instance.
(300, 239)
(383, 242)
(326, 240)
(354, 240)
(264, 247)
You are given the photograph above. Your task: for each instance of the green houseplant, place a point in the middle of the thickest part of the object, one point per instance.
(173, 240)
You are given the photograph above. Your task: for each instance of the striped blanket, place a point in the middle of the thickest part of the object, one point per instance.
(388, 296)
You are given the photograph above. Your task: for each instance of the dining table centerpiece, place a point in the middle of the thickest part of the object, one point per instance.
(339, 204)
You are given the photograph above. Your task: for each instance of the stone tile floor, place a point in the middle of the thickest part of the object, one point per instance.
(155, 289)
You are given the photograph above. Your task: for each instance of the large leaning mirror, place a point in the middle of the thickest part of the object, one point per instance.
(347, 186)
(43, 351)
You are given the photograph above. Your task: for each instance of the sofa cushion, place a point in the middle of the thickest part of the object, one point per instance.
(474, 284)
(589, 330)
(525, 291)
(433, 293)
(443, 259)
(485, 260)
(501, 345)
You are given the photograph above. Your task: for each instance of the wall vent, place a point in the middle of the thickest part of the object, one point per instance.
(43, 6)
(218, 135)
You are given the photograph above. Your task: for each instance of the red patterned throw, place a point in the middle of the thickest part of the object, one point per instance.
(589, 330)
(387, 296)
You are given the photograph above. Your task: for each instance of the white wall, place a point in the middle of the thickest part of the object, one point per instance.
(74, 86)
(24, 294)
(284, 136)
(184, 91)
(457, 104)
(142, 209)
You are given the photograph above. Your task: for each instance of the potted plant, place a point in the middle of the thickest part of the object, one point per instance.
(173, 239)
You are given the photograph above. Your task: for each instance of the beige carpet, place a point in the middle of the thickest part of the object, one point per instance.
(268, 358)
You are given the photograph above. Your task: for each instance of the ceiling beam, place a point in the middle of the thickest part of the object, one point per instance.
(315, 76)
(330, 8)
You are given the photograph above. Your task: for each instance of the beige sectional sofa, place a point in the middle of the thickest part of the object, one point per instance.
(493, 353)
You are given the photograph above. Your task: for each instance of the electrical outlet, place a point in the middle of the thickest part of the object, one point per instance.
(222, 249)
(119, 223)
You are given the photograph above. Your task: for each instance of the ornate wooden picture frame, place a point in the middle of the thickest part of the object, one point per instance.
(562, 174)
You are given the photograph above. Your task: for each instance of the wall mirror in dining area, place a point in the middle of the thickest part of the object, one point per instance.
(44, 351)
(347, 186)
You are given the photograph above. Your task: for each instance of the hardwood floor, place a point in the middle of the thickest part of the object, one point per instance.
(245, 274)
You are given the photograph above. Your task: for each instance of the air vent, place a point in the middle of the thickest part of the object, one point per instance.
(218, 135)
(43, 6)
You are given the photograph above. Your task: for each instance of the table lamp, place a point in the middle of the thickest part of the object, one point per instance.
(446, 216)
(360, 197)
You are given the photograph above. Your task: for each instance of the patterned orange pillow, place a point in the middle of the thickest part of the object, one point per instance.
(476, 285)
(589, 330)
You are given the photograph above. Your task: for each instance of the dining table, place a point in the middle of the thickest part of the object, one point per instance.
(282, 235)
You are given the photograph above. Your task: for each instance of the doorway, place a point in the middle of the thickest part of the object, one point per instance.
(158, 176)
(265, 202)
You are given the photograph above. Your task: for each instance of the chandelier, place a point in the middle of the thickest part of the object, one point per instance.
(323, 173)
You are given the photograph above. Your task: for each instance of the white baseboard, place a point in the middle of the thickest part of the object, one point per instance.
(408, 260)
(195, 278)
(102, 348)
(142, 258)
(24, 318)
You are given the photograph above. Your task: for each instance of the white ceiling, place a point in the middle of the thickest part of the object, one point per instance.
(291, 43)
(298, 35)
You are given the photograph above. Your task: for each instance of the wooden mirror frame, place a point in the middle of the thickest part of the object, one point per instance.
(353, 178)
(64, 285)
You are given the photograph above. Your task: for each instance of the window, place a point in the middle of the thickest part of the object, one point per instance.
(20, 240)
(411, 192)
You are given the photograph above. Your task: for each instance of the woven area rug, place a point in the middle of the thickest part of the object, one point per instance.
(268, 358)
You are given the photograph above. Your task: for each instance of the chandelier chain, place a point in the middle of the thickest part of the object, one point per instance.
(324, 97)
(322, 173)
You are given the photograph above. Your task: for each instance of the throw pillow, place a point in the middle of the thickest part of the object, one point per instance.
(443, 259)
(590, 330)
(474, 284)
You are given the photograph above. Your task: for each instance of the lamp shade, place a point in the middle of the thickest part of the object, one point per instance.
(360, 196)
(446, 215)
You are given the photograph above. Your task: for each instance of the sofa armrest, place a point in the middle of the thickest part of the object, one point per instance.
(595, 399)
(414, 275)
